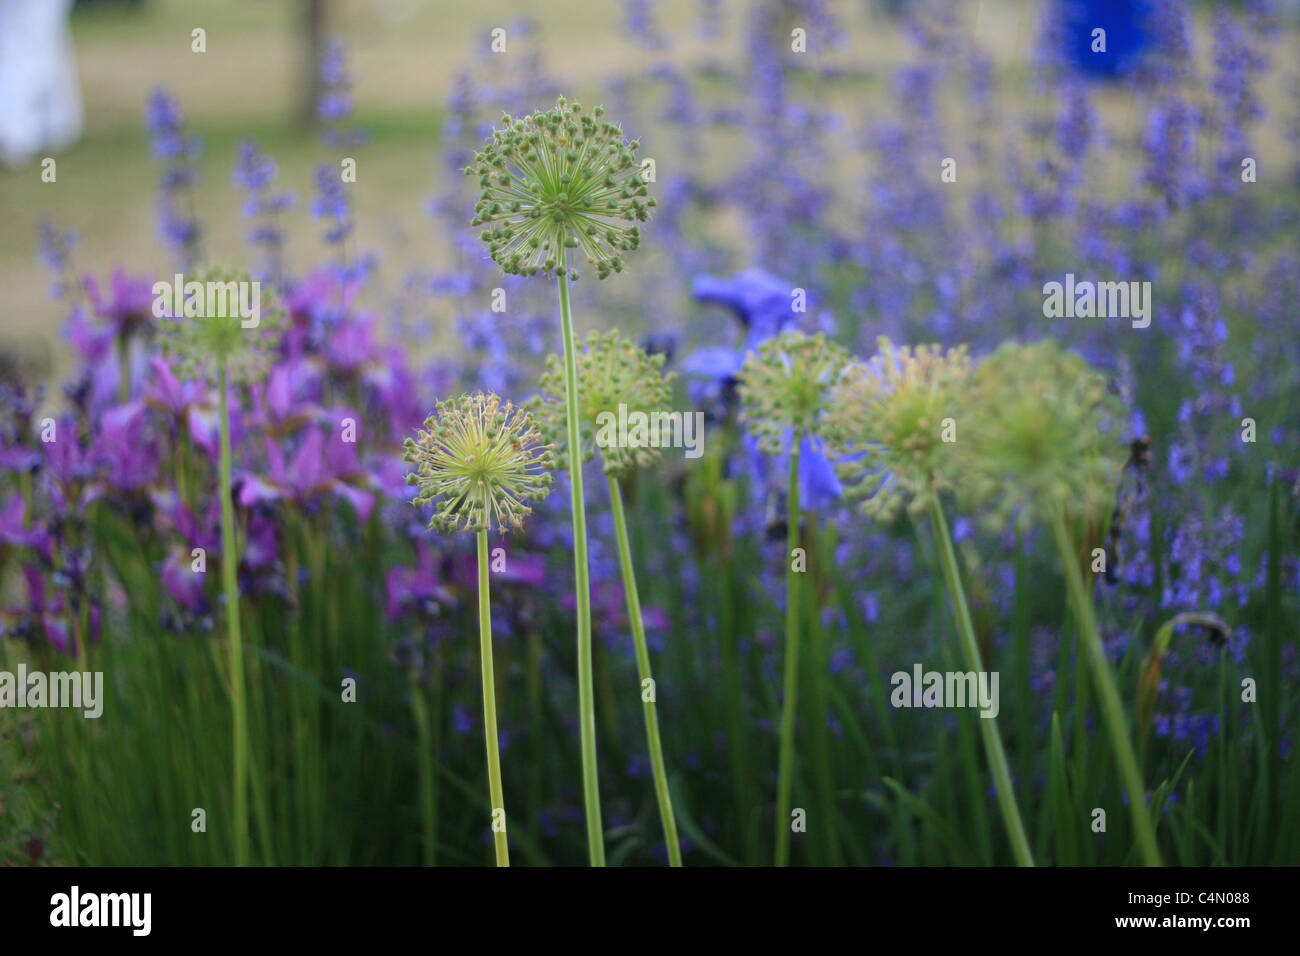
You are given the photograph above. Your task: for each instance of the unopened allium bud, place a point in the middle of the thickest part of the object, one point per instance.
(886, 425)
(479, 461)
(784, 387)
(1043, 433)
(210, 329)
(559, 185)
(612, 372)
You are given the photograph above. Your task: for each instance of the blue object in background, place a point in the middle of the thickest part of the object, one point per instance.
(1128, 35)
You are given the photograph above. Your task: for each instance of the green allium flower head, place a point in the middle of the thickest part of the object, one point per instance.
(209, 328)
(611, 372)
(784, 387)
(1043, 432)
(557, 185)
(886, 424)
(478, 461)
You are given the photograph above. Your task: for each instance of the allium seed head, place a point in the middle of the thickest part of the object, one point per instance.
(611, 372)
(479, 461)
(559, 185)
(784, 387)
(886, 425)
(207, 331)
(1043, 432)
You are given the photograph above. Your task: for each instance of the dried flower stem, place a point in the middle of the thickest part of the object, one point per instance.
(644, 674)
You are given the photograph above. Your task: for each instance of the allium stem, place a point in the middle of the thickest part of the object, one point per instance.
(490, 702)
(582, 587)
(1104, 681)
(230, 585)
(788, 700)
(643, 673)
(988, 725)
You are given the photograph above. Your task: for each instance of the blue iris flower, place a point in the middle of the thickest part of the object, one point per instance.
(1127, 35)
(763, 305)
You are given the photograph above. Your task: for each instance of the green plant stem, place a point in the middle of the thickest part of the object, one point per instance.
(124, 370)
(786, 758)
(490, 703)
(582, 587)
(988, 725)
(428, 782)
(231, 587)
(648, 707)
(1103, 681)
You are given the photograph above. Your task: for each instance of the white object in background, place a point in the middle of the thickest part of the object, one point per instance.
(40, 99)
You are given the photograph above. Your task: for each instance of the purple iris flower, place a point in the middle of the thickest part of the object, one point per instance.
(92, 342)
(13, 526)
(181, 581)
(419, 586)
(169, 394)
(285, 402)
(127, 305)
(522, 568)
(49, 612)
(123, 451)
(316, 469)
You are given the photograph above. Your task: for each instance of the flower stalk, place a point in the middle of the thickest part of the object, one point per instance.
(970, 651)
(490, 736)
(582, 588)
(478, 461)
(789, 697)
(644, 675)
(230, 586)
(1111, 708)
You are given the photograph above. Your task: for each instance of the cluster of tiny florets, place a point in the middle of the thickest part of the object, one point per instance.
(784, 387)
(559, 185)
(200, 344)
(479, 461)
(1043, 433)
(612, 372)
(886, 425)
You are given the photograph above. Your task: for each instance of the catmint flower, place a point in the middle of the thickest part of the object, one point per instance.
(886, 425)
(202, 338)
(612, 372)
(55, 249)
(479, 461)
(784, 387)
(1041, 432)
(559, 180)
(330, 203)
(172, 146)
(255, 174)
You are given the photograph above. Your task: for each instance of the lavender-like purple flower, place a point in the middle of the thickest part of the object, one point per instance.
(255, 173)
(171, 145)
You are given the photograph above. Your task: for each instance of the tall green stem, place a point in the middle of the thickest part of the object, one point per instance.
(988, 725)
(230, 586)
(791, 661)
(1103, 681)
(582, 587)
(490, 704)
(643, 673)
